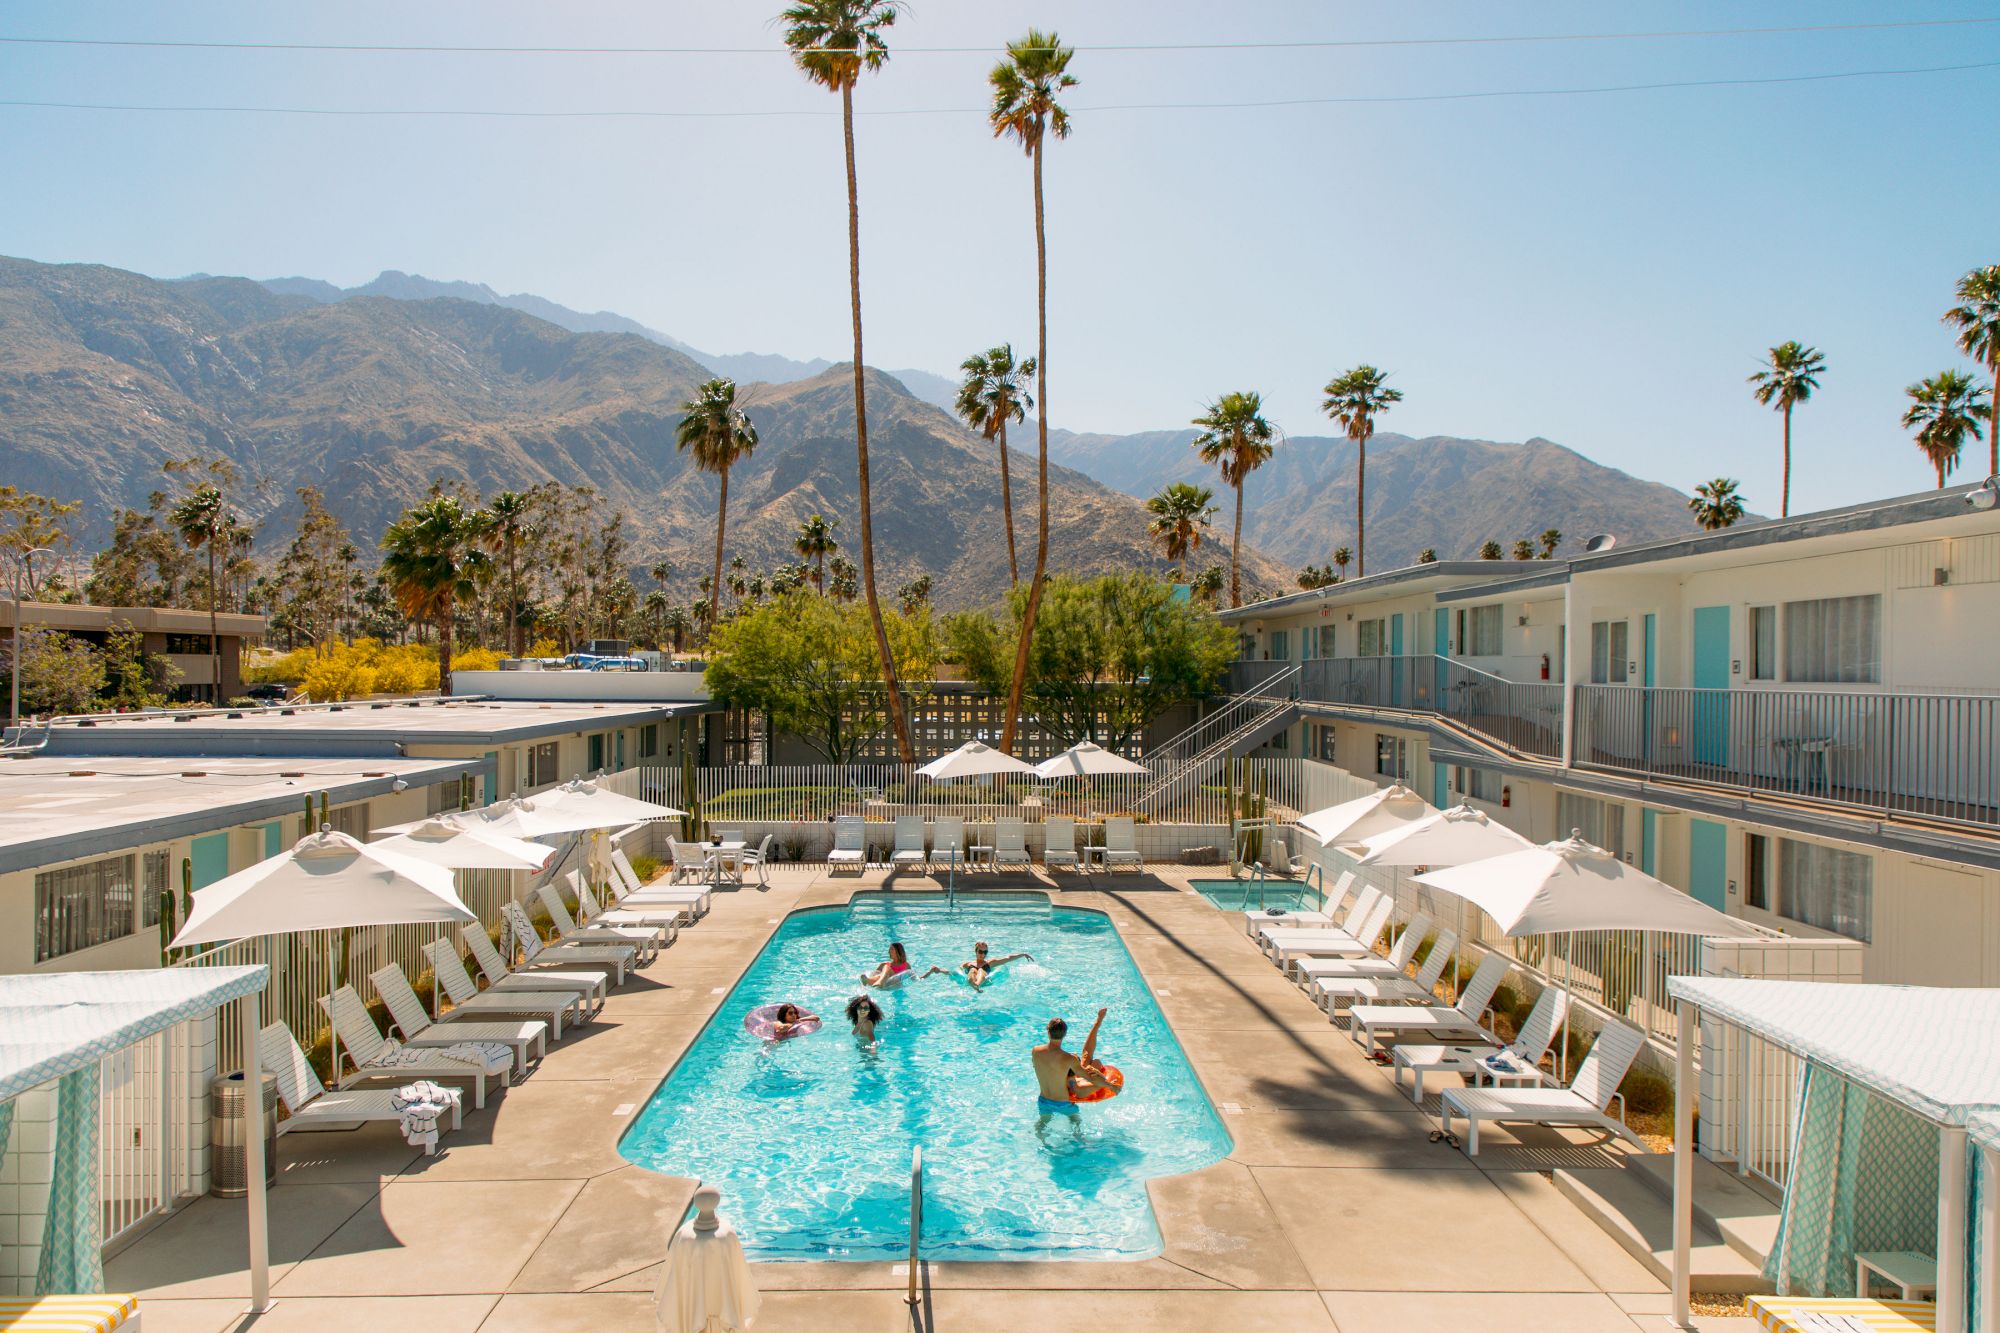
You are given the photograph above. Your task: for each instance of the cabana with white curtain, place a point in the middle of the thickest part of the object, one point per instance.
(1897, 1079)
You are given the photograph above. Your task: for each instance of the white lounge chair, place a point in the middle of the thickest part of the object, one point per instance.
(1366, 1023)
(1010, 843)
(1326, 917)
(590, 911)
(1059, 842)
(692, 899)
(536, 953)
(646, 939)
(377, 1058)
(909, 849)
(1284, 943)
(590, 985)
(1401, 954)
(948, 841)
(1335, 992)
(1523, 1055)
(1121, 843)
(414, 1026)
(552, 1007)
(850, 844)
(1584, 1102)
(306, 1099)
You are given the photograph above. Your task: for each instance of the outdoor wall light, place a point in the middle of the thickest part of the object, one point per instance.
(1985, 495)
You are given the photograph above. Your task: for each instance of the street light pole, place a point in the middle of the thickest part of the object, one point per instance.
(23, 564)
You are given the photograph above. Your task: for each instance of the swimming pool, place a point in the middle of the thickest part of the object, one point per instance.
(810, 1139)
(1244, 895)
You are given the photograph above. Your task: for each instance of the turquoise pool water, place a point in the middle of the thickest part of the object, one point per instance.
(1242, 895)
(810, 1139)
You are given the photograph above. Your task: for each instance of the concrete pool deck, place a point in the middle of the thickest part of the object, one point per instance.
(1333, 1211)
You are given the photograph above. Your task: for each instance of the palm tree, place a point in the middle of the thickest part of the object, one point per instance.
(203, 521)
(511, 512)
(1524, 549)
(1977, 319)
(1549, 540)
(833, 42)
(1427, 556)
(1354, 400)
(815, 542)
(1180, 518)
(432, 562)
(1716, 504)
(1944, 411)
(1788, 379)
(989, 397)
(1025, 85)
(1208, 585)
(1490, 551)
(718, 434)
(1342, 557)
(1237, 439)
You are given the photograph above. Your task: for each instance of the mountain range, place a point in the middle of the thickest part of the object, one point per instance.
(106, 374)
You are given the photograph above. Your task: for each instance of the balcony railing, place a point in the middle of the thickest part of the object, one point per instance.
(1525, 716)
(1935, 755)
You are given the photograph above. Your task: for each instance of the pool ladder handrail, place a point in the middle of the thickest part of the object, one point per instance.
(1260, 879)
(916, 1218)
(1316, 871)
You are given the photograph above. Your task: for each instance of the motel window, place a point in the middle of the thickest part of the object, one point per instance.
(1389, 756)
(1757, 871)
(1325, 744)
(440, 797)
(596, 764)
(1246, 647)
(1479, 631)
(1601, 823)
(79, 906)
(649, 741)
(1281, 645)
(1374, 638)
(542, 764)
(349, 819)
(1610, 651)
(1477, 784)
(1826, 887)
(1763, 643)
(1834, 640)
(158, 867)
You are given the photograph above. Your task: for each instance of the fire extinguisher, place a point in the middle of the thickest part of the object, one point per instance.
(1545, 666)
(1506, 797)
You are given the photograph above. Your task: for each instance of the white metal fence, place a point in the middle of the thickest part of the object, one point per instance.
(145, 1161)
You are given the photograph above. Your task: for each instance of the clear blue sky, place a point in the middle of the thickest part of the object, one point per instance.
(1600, 270)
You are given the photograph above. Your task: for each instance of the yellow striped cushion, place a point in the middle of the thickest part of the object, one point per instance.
(1779, 1313)
(66, 1314)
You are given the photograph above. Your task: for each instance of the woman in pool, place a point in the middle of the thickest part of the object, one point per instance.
(864, 1014)
(789, 1019)
(894, 972)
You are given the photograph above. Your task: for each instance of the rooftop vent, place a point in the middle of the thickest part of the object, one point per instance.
(1603, 541)
(197, 773)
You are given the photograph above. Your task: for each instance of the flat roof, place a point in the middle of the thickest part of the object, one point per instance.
(1389, 583)
(64, 809)
(362, 727)
(146, 619)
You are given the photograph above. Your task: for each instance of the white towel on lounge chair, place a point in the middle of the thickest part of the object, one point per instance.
(488, 1056)
(420, 1104)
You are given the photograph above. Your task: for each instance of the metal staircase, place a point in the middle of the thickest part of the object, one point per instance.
(1245, 722)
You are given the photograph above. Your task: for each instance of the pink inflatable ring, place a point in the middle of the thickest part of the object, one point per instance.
(762, 1022)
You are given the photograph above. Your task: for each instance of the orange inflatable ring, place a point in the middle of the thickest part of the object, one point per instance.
(1112, 1076)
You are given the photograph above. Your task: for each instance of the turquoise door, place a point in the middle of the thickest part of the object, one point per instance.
(210, 855)
(493, 778)
(1651, 635)
(1441, 648)
(1708, 862)
(274, 837)
(1708, 714)
(1438, 792)
(1396, 668)
(1649, 840)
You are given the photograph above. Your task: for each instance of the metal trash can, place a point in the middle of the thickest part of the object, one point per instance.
(228, 1139)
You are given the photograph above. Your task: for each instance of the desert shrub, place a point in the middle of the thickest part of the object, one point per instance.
(646, 866)
(1646, 1093)
(475, 659)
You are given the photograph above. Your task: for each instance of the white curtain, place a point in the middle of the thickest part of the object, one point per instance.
(1836, 640)
(1826, 887)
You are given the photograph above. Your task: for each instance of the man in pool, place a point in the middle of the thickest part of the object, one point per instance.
(1059, 1071)
(980, 968)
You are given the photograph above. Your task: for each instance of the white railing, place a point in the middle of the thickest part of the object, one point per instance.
(144, 1163)
(1754, 1112)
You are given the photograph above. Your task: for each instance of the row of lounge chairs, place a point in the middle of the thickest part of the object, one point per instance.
(1332, 955)
(942, 841)
(490, 1033)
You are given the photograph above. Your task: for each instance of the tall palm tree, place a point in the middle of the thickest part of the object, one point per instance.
(1788, 379)
(1180, 517)
(989, 397)
(1342, 557)
(815, 542)
(432, 561)
(1236, 438)
(1716, 504)
(512, 514)
(1977, 319)
(833, 42)
(1354, 399)
(1025, 86)
(1548, 541)
(203, 521)
(1944, 411)
(718, 434)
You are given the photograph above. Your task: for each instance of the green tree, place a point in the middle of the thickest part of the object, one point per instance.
(844, 579)
(915, 595)
(432, 562)
(1944, 411)
(989, 396)
(815, 543)
(29, 522)
(59, 673)
(1354, 400)
(809, 664)
(312, 580)
(205, 522)
(133, 677)
(1977, 319)
(1341, 558)
(1490, 551)
(1548, 541)
(1715, 504)
(1111, 654)
(1237, 439)
(1181, 514)
(1790, 374)
(1427, 556)
(1208, 585)
(513, 514)
(1026, 84)
(718, 434)
(1524, 549)
(833, 42)
(1317, 576)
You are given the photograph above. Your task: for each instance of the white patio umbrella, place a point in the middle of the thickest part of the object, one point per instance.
(1087, 759)
(705, 1284)
(1377, 812)
(458, 846)
(974, 759)
(574, 807)
(1571, 885)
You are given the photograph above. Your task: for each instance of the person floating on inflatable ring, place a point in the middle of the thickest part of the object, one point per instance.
(1064, 1078)
(981, 967)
